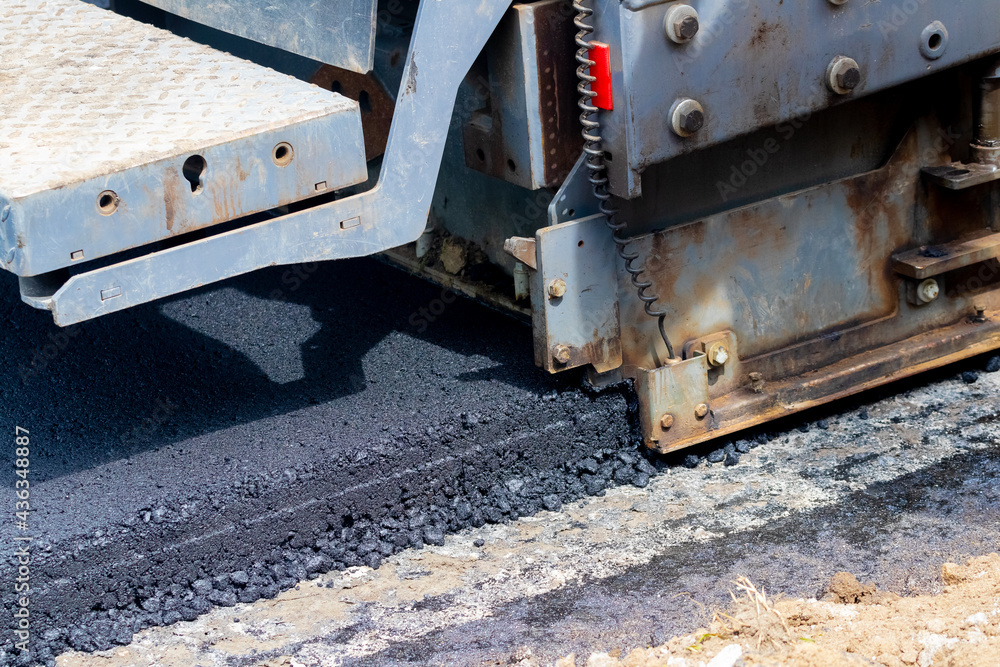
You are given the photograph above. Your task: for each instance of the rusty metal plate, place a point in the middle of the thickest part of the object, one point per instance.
(742, 407)
(809, 285)
(930, 261)
(123, 134)
(530, 134)
(375, 102)
(335, 32)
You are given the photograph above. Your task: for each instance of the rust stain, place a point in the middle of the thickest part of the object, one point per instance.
(376, 105)
(171, 187)
(768, 32)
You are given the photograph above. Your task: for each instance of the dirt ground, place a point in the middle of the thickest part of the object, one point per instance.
(854, 624)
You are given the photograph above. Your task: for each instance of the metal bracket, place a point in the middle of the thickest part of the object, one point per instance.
(575, 297)
(523, 250)
(962, 175)
(675, 400)
(930, 261)
(391, 214)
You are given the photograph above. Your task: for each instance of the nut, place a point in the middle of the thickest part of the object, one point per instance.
(686, 117)
(928, 290)
(681, 23)
(757, 382)
(701, 410)
(557, 288)
(561, 353)
(843, 75)
(666, 421)
(717, 354)
(980, 315)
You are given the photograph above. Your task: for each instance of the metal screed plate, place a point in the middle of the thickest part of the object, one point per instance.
(93, 102)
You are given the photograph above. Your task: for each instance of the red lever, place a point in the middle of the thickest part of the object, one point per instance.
(600, 53)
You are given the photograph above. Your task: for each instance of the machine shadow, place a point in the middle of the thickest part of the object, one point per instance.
(148, 377)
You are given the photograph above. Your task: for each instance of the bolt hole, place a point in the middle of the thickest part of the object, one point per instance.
(608, 157)
(107, 202)
(511, 166)
(481, 155)
(934, 42)
(580, 244)
(193, 170)
(336, 87)
(365, 101)
(282, 154)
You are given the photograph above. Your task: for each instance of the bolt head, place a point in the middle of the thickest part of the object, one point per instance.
(666, 421)
(693, 121)
(717, 354)
(561, 353)
(687, 117)
(843, 75)
(687, 27)
(557, 288)
(681, 23)
(929, 290)
(701, 411)
(849, 78)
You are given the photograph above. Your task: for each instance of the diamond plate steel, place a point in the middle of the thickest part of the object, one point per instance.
(93, 100)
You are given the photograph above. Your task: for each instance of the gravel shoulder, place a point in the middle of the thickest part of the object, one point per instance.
(854, 624)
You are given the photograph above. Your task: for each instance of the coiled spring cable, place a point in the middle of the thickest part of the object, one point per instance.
(598, 169)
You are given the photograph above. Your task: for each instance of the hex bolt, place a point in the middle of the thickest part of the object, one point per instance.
(701, 410)
(561, 353)
(686, 117)
(757, 382)
(557, 288)
(681, 23)
(717, 354)
(980, 315)
(843, 75)
(666, 421)
(928, 290)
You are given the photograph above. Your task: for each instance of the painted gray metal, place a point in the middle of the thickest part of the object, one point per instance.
(335, 32)
(391, 214)
(98, 103)
(585, 319)
(757, 63)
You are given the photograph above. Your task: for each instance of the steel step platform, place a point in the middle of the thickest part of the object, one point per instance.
(115, 134)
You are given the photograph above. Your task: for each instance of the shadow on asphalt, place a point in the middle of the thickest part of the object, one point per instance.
(137, 380)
